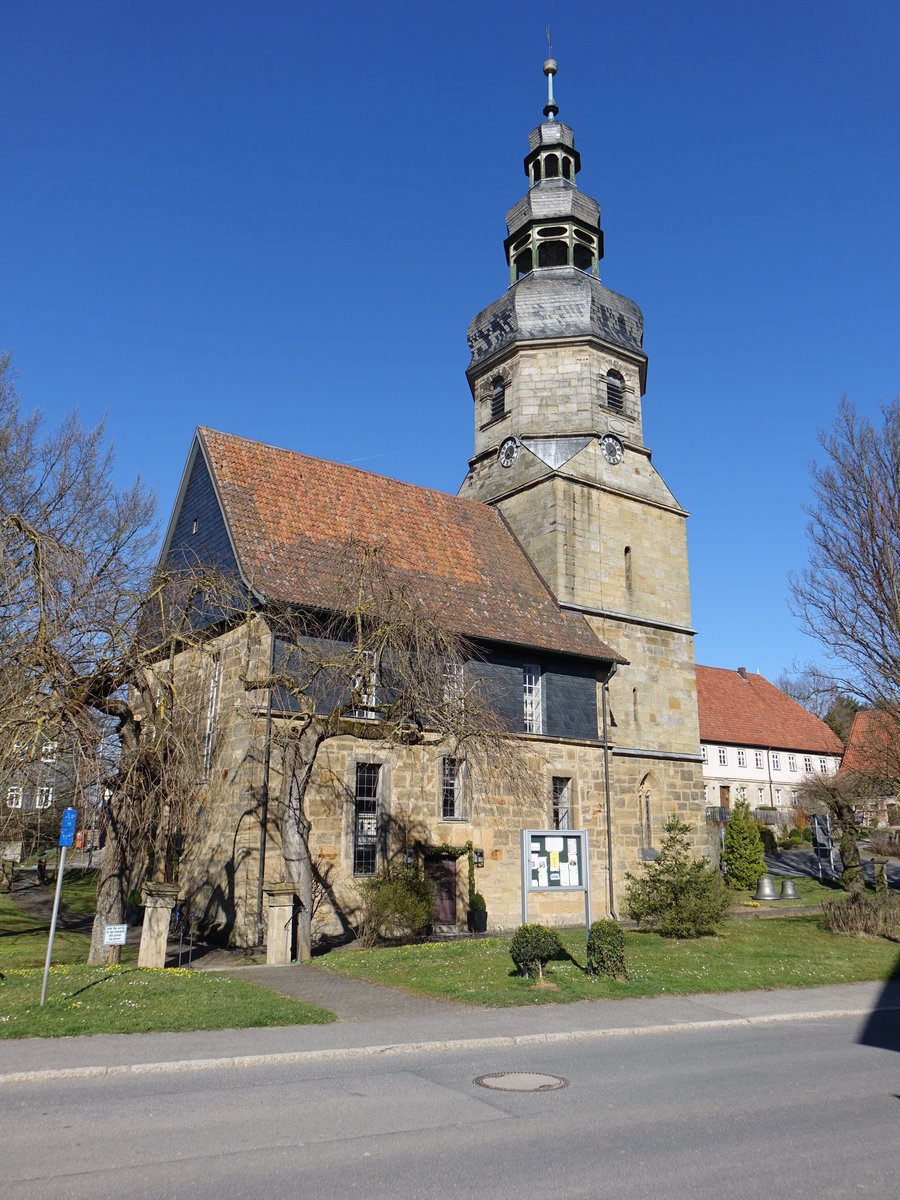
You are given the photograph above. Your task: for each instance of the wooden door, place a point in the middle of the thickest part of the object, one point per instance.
(442, 873)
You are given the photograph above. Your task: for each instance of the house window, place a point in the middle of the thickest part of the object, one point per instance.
(615, 390)
(704, 754)
(43, 797)
(48, 752)
(742, 758)
(823, 766)
(723, 756)
(760, 796)
(807, 763)
(758, 759)
(742, 794)
(795, 796)
(776, 761)
(211, 705)
(498, 399)
(792, 762)
(365, 687)
(561, 807)
(454, 685)
(365, 831)
(531, 696)
(778, 796)
(451, 789)
(14, 796)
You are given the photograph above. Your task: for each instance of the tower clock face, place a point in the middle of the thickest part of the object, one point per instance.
(612, 449)
(508, 452)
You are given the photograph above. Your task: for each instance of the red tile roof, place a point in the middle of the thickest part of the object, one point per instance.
(747, 710)
(289, 515)
(873, 747)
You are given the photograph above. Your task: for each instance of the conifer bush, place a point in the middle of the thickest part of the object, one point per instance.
(398, 902)
(606, 949)
(533, 946)
(743, 850)
(677, 895)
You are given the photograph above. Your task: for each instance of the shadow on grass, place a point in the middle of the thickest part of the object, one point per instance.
(104, 979)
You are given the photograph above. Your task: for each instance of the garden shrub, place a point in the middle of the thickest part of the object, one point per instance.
(878, 916)
(398, 902)
(606, 949)
(534, 945)
(677, 895)
(743, 851)
(768, 839)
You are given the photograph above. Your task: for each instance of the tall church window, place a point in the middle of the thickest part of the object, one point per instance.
(531, 698)
(561, 814)
(365, 814)
(634, 705)
(628, 580)
(615, 390)
(211, 706)
(498, 399)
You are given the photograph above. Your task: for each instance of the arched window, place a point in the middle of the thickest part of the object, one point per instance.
(551, 166)
(536, 166)
(615, 390)
(583, 257)
(553, 254)
(634, 705)
(646, 789)
(523, 263)
(498, 398)
(627, 568)
(567, 168)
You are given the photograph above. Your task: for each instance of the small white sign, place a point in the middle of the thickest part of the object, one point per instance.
(114, 935)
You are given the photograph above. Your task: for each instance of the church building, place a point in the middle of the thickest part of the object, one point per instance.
(562, 561)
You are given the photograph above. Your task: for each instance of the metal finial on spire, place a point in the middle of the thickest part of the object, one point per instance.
(551, 108)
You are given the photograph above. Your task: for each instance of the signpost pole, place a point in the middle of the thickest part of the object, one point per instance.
(66, 837)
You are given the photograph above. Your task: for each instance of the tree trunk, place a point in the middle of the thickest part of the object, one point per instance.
(112, 898)
(298, 757)
(852, 879)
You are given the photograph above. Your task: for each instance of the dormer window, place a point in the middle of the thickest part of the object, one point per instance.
(615, 390)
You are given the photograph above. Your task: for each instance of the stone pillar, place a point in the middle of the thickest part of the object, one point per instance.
(281, 922)
(159, 900)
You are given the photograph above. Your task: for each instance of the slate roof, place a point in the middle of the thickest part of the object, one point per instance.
(289, 515)
(747, 710)
(873, 747)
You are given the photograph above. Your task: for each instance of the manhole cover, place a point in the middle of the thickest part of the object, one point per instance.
(521, 1081)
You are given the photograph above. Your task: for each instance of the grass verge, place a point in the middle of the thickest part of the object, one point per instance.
(23, 940)
(86, 1000)
(790, 952)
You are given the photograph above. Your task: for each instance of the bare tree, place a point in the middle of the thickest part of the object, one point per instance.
(848, 597)
(381, 667)
(92, 639)
(820, 693)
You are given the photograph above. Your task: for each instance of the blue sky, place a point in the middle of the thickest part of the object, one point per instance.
(278, 219)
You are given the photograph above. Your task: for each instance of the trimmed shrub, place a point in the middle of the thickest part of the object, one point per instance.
(606, 949)
(477, 903)
(677, 895)
(743, 851)
(398, 902)
(768, 839)
(534, 945)
(878, 916)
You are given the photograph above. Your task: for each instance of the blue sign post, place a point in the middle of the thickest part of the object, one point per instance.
(66, 838)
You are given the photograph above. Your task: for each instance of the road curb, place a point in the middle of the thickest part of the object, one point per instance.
(294, 1057)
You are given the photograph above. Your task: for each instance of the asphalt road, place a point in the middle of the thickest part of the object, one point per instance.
(774, 1111)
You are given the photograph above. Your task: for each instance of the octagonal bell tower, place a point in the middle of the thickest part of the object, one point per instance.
(558, 375)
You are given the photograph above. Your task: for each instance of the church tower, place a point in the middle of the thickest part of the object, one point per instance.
(558, 374)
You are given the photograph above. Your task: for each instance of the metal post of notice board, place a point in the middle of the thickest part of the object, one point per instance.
(555, 860)
(66, 838)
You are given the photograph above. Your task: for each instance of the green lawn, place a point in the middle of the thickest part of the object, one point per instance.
(79, 891)
(789, 952)
(23, 940)
(125, 999)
